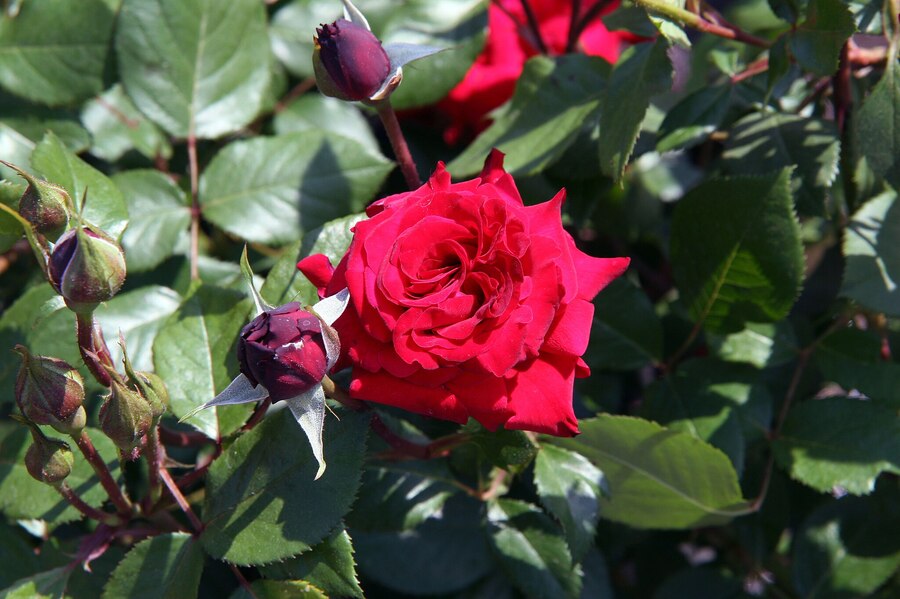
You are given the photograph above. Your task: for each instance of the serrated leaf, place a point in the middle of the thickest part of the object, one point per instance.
(553, 99)
(55, 55)
(642, 71)
(569, 487)
(626, 332)
(262, 503)
(117, 127)
(271, 190)
(817, 42)
(507, 449)
(194, 353)
(167, 565)
(852, 358)
(761, 344)
(159, 217)
(46, 585)
(279, 589)
(839, 442)
(24, 125)
(531, 550)
(694, 118)
(872, 251)
(657, 478)
(22, 497)
(736, 251)
(441, 556)
(761, 143)
(318, 112)
(194, 67)
(16, 555)
(105, 206)
(848, 547)
(328, 566)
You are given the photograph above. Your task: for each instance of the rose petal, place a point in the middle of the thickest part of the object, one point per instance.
(381, 387)
(540, 397)
(596, 273)
(318, 269)
(571, 330)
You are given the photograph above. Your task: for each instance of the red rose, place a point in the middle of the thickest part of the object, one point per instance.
(492, 79)
(467, 303)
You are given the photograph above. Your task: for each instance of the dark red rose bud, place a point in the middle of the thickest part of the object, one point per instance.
(349, 61)
(87, 267)
(44, 205)
(50, 391)
(283, 351)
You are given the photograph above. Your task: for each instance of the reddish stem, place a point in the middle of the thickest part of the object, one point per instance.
(534, 26)
(258, 413)
(572, 39)
(154, 456)
(91, 512)
(404, 448)
(175, 492)
(183, 438)
(398, 142)
(87, 448)
(93, 348)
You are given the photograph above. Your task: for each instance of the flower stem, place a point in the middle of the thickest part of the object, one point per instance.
(404, 448)
(176, 494)
(660, 7)
(258, 414)
(572, 39)
(398, 142)
(75, 501)
(154, 464)
(115, 494)
(534, 26)
(93, 348)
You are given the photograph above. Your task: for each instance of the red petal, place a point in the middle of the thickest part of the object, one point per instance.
(540, 397)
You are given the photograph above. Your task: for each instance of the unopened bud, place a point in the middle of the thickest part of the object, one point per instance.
(50, 391)
(48, 460)
(349, 61)
(148, 384)
(44, 205)
(87, 267)
(283, 350)
(125, 417)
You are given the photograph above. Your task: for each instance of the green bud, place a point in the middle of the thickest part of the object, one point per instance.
(147, 384)
(44, 205)
(50, 391)
(125, 417)
(48, 460)
(87, 267)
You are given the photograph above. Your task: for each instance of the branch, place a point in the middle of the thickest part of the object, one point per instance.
(690, 19)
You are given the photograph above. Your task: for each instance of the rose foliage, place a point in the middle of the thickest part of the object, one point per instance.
(451, 298)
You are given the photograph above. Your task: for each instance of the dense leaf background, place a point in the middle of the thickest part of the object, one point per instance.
(739, 431)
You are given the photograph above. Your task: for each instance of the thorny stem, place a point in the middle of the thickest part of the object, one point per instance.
(154, 465)
(697, 22)
(176, 494)
(69, 495)
(534, 26)
(195, 206)
(115, 494)
(398, 142)
(93, 348)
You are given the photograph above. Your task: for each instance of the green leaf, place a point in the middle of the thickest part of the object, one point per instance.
(22, 497)
(262, 503)
(328, 566)
(694, 118)
(848, 547)
(168, 565)
(279, 589)
(817, 42)
(596, 583)
(839, 441)
(318, 112)
(852, 358)
(118, 127)
(657, 478)
(729, 273)
(569, 487)
(552, 101)
(194, 67)
(761, 344)
(879, 126)
(194, 353)
(642, 71)
(159, 214)
(626, 332)
(46, 585)
(761, 143)
(139, 315)
(671, 29)
(441, 556)
(105, 206)
(872, 251)
(16, 555)
(23, 126)
(532, 551)
(53, 54)
(270, 190)
(510, 450)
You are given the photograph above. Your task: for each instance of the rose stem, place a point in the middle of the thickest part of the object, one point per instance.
(398, 142)
(589, 16)
(697, 22)
(69, 495)
(93, 349)
(112, 489)
(242, 580)
(258, 414)
(195, 206)
(175, 492)
(155, 455)
(534, 26)
(183, 438)
(572, 39)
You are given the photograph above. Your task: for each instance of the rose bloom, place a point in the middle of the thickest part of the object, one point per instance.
(492, 79)
(467, 303)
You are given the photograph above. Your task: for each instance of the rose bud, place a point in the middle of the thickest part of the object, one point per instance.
(283, 350)
(44, 205)
(125, 416)
(50, 391)
(48, 460)
(87, 267)
(154, 391)
(349, 61)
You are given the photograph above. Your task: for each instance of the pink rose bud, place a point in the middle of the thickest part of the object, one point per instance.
(87, 267)
(349, 61)
(48, 460)
(283, 350)
(50, 391)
